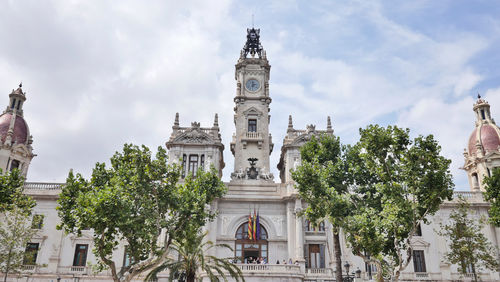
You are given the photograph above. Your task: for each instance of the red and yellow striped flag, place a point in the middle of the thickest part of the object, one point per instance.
(250, 227)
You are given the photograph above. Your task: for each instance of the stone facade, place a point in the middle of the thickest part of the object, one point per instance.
(285, 235)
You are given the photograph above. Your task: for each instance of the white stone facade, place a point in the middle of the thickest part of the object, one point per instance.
(253, 188)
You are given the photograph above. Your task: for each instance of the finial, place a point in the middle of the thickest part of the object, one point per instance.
(176, 122)
(252, 21)
(21, 84)
(478, 95)
(329, 124)
(216, 120)
(290, 123)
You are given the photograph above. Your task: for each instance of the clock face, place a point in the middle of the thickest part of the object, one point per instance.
(252, 85)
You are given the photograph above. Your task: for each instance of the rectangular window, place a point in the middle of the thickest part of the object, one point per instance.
(80, 258)
(418, 230)
(18, 104)
(30, 254)
(202, 162)
(419, 261)
(184, 160)
(13, 104)
(371, 269)
(316, 256)
(14, 164)
(37, 221)
(127, 258)
(483, 115)
(252, 125)
(193, 164)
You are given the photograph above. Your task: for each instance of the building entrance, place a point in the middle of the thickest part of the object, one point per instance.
(248, 250)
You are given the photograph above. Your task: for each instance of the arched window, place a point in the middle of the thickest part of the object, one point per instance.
(247, 250)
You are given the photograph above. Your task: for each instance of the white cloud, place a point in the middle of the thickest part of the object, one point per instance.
(99, 74)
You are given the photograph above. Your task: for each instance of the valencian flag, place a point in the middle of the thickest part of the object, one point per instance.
(250, 227)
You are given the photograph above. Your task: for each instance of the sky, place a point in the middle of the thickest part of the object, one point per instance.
(99, 74)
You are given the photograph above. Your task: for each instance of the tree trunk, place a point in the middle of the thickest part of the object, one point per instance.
(190, 277)
(7, 266)
(396, 276)
(338, 255)
(474, 272)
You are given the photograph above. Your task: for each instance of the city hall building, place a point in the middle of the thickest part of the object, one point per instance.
(282, 235)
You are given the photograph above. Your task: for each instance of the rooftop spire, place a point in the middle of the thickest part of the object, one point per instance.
(290, 123)
(216, 120)
(253, 45)
(176, 121)
(329, 125)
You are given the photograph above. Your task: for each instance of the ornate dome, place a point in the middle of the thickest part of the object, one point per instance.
(488, 137)
(20, 131)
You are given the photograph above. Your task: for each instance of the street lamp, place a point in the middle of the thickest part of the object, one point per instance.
(347, 277)
(347, 265)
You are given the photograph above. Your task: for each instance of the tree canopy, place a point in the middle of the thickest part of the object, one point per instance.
(492, 195)
(468, 247)
(397, 183)
(11, 193)
(322, 181)
(191, 256)
(139, 201)
(15, 223)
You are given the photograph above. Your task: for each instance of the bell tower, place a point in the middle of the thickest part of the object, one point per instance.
(16, 151)
(252, 144)
(482, 154)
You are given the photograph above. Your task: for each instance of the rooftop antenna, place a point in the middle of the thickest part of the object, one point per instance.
(252, 21)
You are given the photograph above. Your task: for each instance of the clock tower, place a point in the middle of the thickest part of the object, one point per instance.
(252, 144)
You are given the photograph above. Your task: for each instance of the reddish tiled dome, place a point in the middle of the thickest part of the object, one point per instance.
(20, 128)
(489, 138)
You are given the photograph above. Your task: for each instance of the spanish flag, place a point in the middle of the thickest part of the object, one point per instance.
(250, 227)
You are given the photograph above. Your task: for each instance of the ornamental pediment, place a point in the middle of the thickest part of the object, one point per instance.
(304, 138)
(194, 136)
(492, 155)
(419, 243)
(252, 111)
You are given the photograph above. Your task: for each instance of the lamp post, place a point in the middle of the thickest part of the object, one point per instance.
(347, 277)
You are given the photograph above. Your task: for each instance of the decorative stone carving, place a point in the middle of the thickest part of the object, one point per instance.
(278, 222)
(240, 174)
(194, 137)
(226, 219)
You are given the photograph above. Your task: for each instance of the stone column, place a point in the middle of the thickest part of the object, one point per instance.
(299, 242)
(290, 229)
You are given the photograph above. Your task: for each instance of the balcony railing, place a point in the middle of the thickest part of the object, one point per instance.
(319, 272)
(253, 135)
(29, 267)
(469, 196)
(73, 270)
(269, 268)
(42, 186)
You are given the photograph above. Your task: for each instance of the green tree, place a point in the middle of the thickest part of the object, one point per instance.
(15, 233)
(398, 183)
(140, 201)
(12, 193)
(322, 181)
(469, 248)
(191, 252)
(492, 195)
(15, 225)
